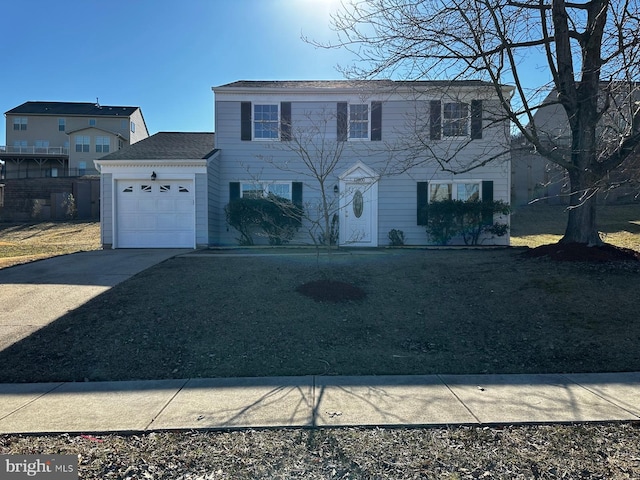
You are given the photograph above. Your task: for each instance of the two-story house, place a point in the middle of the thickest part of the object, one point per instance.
(379, 150)
(60, 139)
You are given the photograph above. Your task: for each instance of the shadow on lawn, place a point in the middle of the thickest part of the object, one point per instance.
(426, 312)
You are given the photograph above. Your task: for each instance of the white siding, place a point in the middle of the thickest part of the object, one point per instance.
(106, 210)
(275, 161)
(202, 218)
(213, 201)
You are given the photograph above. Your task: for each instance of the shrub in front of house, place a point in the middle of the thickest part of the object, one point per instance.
(275, 217)
(396, 238)
(447, 219)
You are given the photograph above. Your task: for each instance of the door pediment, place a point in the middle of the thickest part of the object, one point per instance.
(359, 171)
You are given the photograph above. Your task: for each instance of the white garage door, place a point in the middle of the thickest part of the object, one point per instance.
(159, 214)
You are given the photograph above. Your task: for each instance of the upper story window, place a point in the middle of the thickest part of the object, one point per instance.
(124, 124)
(92, 122)
(103, 144)
(455, 119)
(358, 121)
(133, 127)
(20, 123)
(265, 122)
(82, 143)
(62, 124)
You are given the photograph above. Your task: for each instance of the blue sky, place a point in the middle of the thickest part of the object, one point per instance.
(161, 55)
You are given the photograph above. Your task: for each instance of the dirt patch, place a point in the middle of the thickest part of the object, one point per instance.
(331, 291)
(579, 252)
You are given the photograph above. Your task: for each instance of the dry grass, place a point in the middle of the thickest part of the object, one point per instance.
(467, 297)
(26, 242)
(524, 452)
(538, 224)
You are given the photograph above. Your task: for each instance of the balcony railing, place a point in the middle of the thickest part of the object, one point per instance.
(32, 150)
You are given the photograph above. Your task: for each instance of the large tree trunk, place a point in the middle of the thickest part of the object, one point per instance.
(581, 226)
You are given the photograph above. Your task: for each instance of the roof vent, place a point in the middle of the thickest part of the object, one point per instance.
(98, 103)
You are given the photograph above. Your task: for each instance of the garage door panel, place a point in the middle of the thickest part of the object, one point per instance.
(183, 208)
(155, 215)
(146, 205)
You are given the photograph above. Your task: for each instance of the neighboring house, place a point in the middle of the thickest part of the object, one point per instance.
(381, 180)
(61, 139)
(535, 178)
(154, 193)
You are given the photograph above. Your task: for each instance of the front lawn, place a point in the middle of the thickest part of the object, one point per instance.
(426, 311)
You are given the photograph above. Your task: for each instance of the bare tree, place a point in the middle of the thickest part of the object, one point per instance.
(313, 153)
(591, 51)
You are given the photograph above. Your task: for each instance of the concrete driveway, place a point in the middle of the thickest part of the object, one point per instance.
(35, 294)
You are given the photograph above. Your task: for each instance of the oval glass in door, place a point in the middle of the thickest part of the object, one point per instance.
(358, 204)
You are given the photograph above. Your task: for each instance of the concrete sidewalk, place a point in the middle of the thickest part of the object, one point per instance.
(318, 401)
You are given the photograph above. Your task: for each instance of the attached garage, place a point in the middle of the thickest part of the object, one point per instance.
(155, 214)
(154, 193)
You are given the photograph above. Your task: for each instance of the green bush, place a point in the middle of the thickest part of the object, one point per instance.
(396, 238)
(447, 219)
(275, 217)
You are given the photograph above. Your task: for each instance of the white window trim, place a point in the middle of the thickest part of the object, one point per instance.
(454, 190)
(101, 141)
(253, 122)
(265, 186)
(22, 122)
(359, 139)
(83, 138)
(443, 120)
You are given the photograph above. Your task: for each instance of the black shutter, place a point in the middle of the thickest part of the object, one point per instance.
(435, 121)
(296, 197)
(487, 198)
(285, 121)
(476, 119)
(423, 201)
(234, 191)
(376, 121)
(342, 118)
(245, 121)
(296, 193)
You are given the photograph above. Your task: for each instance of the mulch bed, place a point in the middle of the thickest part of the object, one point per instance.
(579, 252)
(331, 291)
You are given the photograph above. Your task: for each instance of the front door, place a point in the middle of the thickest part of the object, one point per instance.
(359, 208)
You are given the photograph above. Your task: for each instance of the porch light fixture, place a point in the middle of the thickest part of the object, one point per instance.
(336, 189)
(153, 176)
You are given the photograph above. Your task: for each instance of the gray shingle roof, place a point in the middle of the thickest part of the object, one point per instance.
(71, 108)
(348, 83)
(167, 146)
